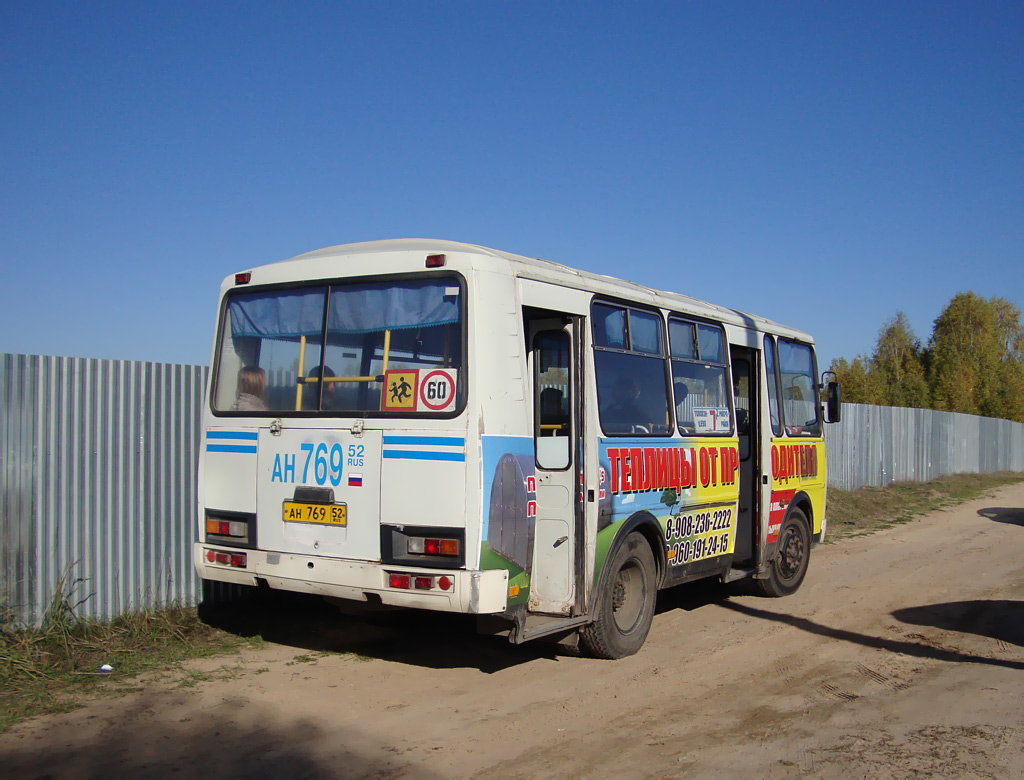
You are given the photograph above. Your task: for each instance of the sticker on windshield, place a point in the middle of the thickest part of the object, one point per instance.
(711, 420)
(400, 386)
(419, 390)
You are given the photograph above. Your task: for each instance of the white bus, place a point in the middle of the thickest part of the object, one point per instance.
(443, 426)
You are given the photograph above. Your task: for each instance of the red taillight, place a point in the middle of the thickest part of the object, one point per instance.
(435, 261)
(402, 581)
(243, 278)
(424, 583)
(432, 546)
(226, 559)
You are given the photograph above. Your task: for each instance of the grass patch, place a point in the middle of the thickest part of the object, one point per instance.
(870, 509)
(305, 658)
(55, 668)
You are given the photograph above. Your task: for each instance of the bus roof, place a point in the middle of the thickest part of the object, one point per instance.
(556, 273)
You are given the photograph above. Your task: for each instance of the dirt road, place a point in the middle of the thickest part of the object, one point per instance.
(902, 656)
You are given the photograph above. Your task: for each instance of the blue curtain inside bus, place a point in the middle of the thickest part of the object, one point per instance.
(358, 308)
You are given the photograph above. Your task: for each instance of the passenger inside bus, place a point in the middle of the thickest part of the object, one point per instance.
(624, 414)
(684, 411)
(311, 390)
(554, 418)
(252, 387)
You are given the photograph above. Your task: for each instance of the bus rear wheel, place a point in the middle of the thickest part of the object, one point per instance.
(786, 571)
(626, 605)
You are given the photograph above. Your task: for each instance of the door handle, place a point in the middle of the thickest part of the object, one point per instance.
(561, 541)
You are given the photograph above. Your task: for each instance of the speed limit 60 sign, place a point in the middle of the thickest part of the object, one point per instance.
(437, 390)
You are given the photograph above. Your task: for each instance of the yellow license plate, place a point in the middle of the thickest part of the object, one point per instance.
(327, 514)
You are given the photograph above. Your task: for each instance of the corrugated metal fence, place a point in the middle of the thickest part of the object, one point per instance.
(876, 445)
(98, 483)
(100, 457)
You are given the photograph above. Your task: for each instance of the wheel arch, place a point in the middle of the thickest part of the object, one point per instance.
(787, 567)
(647, 526)
(802, 501)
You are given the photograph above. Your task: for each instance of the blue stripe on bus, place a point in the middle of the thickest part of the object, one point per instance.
(423, 455)
(230, 448)
(439, 441)
(253, 436)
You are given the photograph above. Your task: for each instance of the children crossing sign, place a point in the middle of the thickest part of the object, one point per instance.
(399, 393)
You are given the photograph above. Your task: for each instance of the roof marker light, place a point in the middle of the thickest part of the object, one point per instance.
(435, 261)
(243, 278)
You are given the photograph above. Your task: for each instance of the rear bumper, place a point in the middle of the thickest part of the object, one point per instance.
(472, 592)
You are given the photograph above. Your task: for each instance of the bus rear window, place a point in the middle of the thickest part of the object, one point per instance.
(342, 349)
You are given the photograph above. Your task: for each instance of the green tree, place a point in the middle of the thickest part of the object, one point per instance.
(975, 352)
(974, 362)
(860, 384)
(1009, 388)
(897, 365)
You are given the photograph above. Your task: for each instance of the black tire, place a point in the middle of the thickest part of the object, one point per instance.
(626, 604)
(786, 571)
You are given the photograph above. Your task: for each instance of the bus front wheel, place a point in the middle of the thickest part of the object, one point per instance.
(626, 605)
(786, 571)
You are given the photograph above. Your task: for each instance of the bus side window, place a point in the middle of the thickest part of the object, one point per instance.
(799, 396)
(773, 385)
(552, 367)
(741, 398)
(629, 363)
(699, 378)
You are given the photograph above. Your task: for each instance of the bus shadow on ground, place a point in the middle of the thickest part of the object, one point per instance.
(999, 620)
(221, 744)
(945, 616)
(1002, 514)
(691, 596)
(436, 640)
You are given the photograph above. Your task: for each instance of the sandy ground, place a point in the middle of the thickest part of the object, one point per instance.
(901, 656)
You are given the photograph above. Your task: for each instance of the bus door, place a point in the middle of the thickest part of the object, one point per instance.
(745, 391)
(554, 364)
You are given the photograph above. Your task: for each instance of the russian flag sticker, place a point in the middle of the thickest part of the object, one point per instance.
(355, 480)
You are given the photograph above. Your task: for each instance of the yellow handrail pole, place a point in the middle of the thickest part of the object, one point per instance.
(302, 370)
(387, 347)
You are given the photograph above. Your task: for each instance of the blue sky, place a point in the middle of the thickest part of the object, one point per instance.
(820, 164)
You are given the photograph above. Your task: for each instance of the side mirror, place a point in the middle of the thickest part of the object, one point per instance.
(833, 398)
